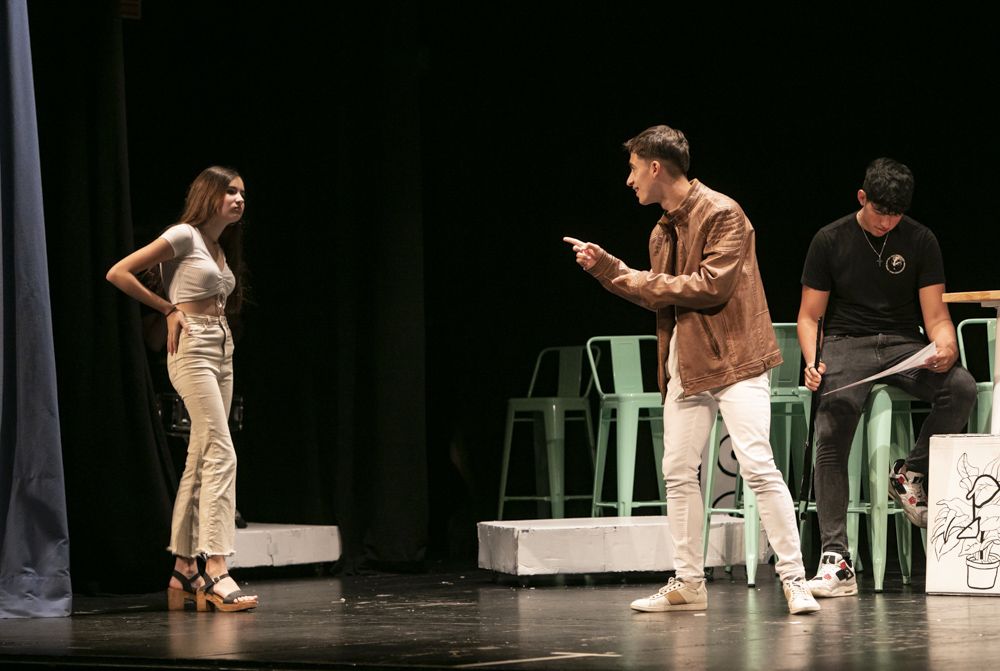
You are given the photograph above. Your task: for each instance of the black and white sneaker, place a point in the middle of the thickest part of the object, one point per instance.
(907, 488)
(835, 577)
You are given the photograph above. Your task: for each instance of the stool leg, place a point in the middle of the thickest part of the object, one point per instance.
(656, 430)
(708, 485)
(982, 413)
(591, 448)
(797, 435)
(799, 457)
(507, 437)
(603, 429)
(903, 438)
(555, 447)
(781, 431)
(751, 532)
(541, 457)
(628, 429)
(854, 471)
(588, 420)
(879, 436)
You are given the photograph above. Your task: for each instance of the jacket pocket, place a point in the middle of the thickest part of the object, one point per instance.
(712, 342)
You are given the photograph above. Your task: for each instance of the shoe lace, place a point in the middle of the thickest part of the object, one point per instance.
(672, 584)
(797, 589)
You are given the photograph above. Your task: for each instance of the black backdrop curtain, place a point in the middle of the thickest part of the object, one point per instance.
(119, 480)
(34, 542)
(320, 118)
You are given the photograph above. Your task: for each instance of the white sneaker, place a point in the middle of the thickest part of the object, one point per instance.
(675, 595)
(800, 599)
(907, 488)
(835, 577)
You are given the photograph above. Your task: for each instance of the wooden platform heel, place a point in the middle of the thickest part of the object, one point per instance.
(178, 598)
(228, 604)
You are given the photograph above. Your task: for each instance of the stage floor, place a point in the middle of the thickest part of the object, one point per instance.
(470, 618)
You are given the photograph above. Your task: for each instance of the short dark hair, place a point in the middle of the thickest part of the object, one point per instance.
(889, 185)
(663, 143)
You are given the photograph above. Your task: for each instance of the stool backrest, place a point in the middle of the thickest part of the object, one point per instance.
(570, 371)
(785, 378)
(991, 338)
(626, 362)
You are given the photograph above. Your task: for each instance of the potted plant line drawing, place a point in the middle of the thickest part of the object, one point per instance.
(971, 526)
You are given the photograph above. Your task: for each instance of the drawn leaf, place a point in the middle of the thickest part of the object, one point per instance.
(993, 468)
(948, 546)
(989, 523)
(944, 521)
(948, 509)
(984, 489)
(964, 469)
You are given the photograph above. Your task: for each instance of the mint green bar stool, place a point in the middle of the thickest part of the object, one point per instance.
(569, 404)
(884, 434)
(626, 406)
(789, 416)
(979, 421)
(745, 505)
(790, 403)
(888, 435)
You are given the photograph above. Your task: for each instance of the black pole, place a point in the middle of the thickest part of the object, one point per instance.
(805, 491)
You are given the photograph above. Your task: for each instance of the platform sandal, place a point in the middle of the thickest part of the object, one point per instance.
(177, 598)
(226, 604)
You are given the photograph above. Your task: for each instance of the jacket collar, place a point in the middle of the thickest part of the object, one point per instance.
(679, 215)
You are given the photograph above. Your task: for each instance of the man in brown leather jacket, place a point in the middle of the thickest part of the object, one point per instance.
(716, 344)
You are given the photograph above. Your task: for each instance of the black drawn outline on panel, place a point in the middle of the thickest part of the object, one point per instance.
(970, 526)
(725, 445)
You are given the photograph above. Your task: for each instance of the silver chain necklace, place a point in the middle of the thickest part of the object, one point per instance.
(878, 253)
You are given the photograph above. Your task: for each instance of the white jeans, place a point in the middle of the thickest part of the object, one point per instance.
(204, 520)
(687, 422)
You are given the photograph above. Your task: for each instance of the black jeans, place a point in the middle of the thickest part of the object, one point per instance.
(849, 359)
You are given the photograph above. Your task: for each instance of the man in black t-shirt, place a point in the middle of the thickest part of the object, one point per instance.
(878, 277)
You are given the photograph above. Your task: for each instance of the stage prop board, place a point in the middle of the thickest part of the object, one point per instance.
(285, 544)
(963, 515)
(601, 545)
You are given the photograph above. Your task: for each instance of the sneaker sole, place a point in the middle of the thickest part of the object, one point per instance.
(806, 609)
(819, 593)
(667, 609)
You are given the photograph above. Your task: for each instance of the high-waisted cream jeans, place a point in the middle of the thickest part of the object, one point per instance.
(201, 372)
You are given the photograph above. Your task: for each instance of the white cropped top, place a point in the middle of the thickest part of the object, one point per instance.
(193, 274)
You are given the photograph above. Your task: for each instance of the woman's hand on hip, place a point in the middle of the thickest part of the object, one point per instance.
(175, 324)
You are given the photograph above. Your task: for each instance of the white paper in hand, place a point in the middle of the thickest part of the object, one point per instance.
(916, 361)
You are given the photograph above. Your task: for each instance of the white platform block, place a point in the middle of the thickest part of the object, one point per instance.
(601, 545)
(963, 515)
(285, 544)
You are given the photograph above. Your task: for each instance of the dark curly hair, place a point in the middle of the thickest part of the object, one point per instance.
(888, 186)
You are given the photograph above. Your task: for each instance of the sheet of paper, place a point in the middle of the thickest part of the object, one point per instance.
(915, 361)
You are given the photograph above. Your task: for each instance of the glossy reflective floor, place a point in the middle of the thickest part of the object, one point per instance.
(469, 619)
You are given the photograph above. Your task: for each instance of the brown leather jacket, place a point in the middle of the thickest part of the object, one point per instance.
(704, 277)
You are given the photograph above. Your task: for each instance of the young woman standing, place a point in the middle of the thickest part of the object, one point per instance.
(200, 267)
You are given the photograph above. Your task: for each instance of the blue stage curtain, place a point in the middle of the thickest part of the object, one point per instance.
(34, 536)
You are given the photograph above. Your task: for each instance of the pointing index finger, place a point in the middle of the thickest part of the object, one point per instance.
(573, 241)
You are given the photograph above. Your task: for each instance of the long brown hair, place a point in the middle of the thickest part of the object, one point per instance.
(204, 198)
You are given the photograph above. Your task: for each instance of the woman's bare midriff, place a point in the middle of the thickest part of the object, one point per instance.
(204, 306)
